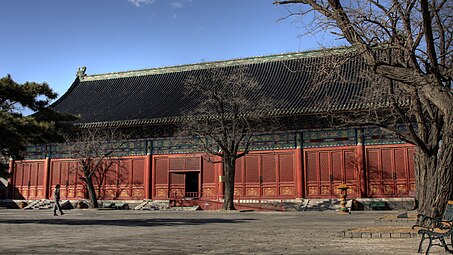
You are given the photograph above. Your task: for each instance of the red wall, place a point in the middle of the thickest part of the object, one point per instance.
(28, 179)
(373, 171)
(265, 174)
(124, 179)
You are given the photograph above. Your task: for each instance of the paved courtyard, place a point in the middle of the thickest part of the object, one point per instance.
(193, 232)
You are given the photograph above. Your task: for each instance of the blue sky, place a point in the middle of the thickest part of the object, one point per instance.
(46, 40)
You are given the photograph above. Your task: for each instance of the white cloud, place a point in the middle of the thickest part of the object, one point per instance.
(180, 3)
(139, 3)
(177, 5)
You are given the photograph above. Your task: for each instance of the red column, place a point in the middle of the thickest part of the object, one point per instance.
(221, 190)
(300, 187)
(360, 151)
(147, 175)
(299, 173)
(46, 176)
(10, 179)
(152, 177)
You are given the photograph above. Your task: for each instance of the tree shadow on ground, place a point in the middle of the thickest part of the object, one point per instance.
(126, 222)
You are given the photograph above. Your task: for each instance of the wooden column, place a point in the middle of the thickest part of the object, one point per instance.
(46, 177)
(360, 151)
(148, 186)
(10, 189)
(153, 178)
(147, 176)
(221, 190)
(299, 167)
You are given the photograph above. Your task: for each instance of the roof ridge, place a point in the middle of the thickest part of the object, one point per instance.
(213, 64)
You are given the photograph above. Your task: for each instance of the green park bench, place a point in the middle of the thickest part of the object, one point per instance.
(436, 229)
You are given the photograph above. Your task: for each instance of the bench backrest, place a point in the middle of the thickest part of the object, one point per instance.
(448, 213)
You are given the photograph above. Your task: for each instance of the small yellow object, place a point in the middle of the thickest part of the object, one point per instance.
(343, 186)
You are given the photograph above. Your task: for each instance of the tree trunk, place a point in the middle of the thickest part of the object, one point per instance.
(434, 177)
(92, 193)
(229, 169)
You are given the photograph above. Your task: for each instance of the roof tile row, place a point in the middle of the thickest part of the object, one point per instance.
(302, 84)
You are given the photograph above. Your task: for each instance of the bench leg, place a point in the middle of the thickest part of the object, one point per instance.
(445, 245)
(430, 244)
(451, 240)
(421, 243)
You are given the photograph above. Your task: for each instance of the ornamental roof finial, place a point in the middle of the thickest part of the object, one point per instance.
(81, 71)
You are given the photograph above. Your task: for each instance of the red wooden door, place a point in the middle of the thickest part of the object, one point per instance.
(28, 180)
(325, 170)
(178, 167)
(67, 173)
(390, 171)
(265, 174)
(160, 178)
(177, 185)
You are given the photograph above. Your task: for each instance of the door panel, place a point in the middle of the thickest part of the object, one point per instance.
(28, 180)
(326, 169)
(389, 171)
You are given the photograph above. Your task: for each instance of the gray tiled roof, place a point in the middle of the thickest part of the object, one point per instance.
(297, 81)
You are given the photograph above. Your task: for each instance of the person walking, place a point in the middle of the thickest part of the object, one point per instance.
(56, 196)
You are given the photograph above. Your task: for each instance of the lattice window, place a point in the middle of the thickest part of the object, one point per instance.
(138, 166)
(63, 175)
(310, 161)
(19, 172)
(324, 166)
(386, 161)
(26, 175)
(192, 163)
(185, 164)
(239, 171)
(373, 164)
(251, 169)
(71, 173)
(208, 172)
(161, 169)
(286, 167)
(34, 168)
(268, 168)
(411, 161)
(110, 175)
(40, 174)
(336, 166)
(76, 168)
(177, 178)
(400, 163)
(177, 164)
(350, 165)
(123, 169)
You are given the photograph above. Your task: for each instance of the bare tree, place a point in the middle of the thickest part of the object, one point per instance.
(95, 151)
(229, 107)
(111, 172)
(417, 38)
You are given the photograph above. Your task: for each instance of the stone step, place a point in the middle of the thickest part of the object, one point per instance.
(183, 208)
(152, 205)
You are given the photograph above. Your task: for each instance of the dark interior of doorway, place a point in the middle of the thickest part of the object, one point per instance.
(192, 182)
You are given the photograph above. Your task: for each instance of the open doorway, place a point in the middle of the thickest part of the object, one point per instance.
(192, 179)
